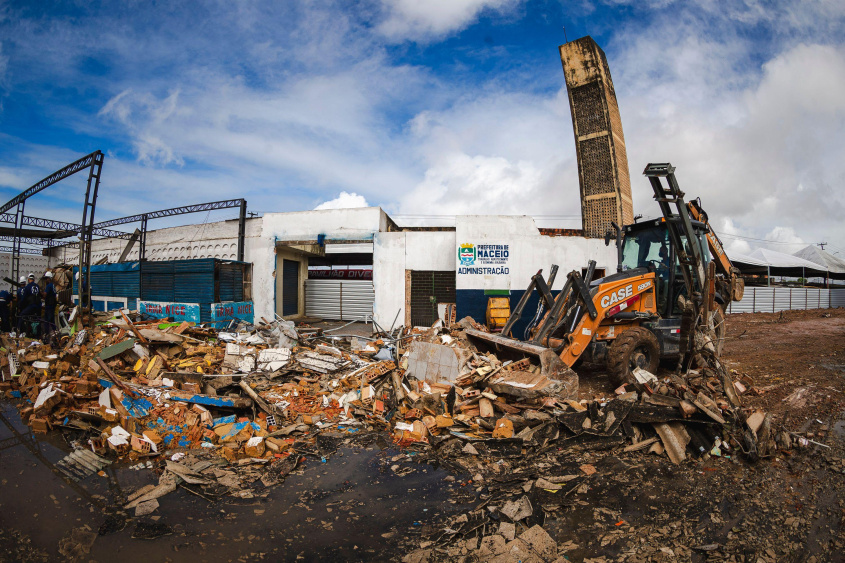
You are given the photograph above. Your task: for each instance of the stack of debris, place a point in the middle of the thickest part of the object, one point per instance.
(221, 409)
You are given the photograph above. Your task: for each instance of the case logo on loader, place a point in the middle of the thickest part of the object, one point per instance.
(466, 253)
(617, 296)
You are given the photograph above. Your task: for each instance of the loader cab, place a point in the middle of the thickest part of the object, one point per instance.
(647, 245)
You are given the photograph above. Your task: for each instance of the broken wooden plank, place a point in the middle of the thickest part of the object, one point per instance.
(114, 378)
(641, 445)
(133, 328)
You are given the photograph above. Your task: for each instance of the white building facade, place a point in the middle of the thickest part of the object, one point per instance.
(413, 269)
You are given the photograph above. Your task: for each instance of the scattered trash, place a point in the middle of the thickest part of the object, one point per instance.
(234, 413)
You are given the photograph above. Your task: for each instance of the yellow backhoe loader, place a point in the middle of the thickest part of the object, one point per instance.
(672, 285)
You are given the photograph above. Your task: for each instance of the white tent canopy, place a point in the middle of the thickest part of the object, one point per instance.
(782, 261)
(741, 260)
(771, 262)
(835, 266)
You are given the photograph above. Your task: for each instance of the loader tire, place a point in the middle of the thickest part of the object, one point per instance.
(636, 347)
(719, 330)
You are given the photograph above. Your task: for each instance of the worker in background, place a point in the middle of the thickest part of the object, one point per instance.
(19, 300)
(49, 294)
(6, 301)
(19, 292)
(31, 303)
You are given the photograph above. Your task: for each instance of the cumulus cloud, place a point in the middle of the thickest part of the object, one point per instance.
(745, 101)
(463, 184)
(742, 131)
(521, 162)
(344, 200)
(432, 19)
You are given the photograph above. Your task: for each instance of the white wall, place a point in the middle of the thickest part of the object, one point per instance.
(338, 224)
(209, 240)
(528, 251)
(29, 263)
(393, 254)
(389, 277)
(430, 250)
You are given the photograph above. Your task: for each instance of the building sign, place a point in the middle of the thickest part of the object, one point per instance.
(348, 274)
(466, 254)
(483, 259)
(179, 312)
(225, 312)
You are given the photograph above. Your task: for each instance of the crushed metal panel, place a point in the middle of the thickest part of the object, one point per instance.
(433, 362)
(272, 359)
(321, 363)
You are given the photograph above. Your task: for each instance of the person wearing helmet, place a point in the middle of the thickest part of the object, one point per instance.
(19, 292)
(49, 294)
(31, 302)
(5, 304)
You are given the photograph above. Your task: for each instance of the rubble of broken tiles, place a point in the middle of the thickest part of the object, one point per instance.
(232, 412)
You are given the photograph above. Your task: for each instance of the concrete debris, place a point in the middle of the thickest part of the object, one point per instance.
(433, 362)
(82, 463)
(234, 413)
(517, 510)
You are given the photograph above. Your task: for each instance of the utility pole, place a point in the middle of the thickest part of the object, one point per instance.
(821, 244)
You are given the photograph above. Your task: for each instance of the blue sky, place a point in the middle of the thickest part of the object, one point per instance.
(439, 107)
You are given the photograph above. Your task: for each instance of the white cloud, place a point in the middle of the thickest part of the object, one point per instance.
(431, 19)
(784, 235)
(502, 152)
(462, 184)
(745, 101)
(344, 200)
(12, 178)
(742, 132)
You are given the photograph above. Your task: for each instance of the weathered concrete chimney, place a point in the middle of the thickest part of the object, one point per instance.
(599, 143)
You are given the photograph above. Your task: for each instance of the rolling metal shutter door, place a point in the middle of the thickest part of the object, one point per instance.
(290, 287)
(345, 300)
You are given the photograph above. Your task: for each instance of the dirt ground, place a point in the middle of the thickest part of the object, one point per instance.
(373, 502)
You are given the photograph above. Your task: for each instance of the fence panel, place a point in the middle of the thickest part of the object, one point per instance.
(774, 299)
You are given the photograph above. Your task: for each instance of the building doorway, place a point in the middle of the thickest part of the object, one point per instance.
(290, 287)
(428, 288)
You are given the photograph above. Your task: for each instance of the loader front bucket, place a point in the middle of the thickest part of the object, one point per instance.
(506, 348)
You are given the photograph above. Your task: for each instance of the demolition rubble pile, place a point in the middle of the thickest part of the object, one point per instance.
(219, 412)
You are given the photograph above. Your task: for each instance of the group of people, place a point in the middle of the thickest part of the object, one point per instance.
(32, 309)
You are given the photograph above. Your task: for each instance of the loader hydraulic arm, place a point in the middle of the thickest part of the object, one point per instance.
(723, 263)
(734, 285)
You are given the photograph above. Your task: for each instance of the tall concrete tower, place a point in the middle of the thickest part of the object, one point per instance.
(599, 143)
